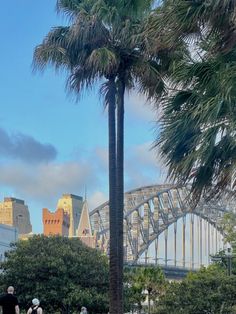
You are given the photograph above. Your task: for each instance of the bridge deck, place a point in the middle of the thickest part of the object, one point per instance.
(171, 272)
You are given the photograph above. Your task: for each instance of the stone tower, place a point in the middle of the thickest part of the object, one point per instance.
(57, 223)
(84, 231)
(14, 212)
(72, 204)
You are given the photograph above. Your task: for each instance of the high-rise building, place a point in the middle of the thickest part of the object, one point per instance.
(57, 223)
(14, 212)
(72, 204)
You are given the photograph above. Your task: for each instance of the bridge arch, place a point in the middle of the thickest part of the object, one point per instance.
(150, 211)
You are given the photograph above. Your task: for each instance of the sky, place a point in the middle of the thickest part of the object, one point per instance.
(49, 143)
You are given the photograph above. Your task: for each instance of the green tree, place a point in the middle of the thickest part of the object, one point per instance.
(63, 273)
(228, 224)
(103, 43)
(133, 291)
(144, 283)
(224, 258)
(198, 126)
(152, 280)
(207, 291)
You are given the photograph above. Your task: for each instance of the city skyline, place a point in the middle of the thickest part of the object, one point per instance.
(51, 144)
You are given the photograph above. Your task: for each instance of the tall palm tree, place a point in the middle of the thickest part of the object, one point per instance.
(101, 43)
(136, 70)
(81, 49)
(198, 126)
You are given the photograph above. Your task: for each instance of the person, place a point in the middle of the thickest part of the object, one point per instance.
(9, 302)
(83, 310)
(35, 308)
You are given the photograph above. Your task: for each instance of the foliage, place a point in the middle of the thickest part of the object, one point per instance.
(198, 125)
(228, 224)
(143, 283)
(207, 291)
(133, 296)
(63, 273)
(100, 42)
(103, 44)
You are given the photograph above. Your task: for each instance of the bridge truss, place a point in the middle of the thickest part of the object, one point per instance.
(151, 213)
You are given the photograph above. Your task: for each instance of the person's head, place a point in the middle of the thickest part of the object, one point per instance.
(83, 309)
(10, 290)
(35, 301)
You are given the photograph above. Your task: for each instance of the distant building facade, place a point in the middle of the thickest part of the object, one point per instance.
(57, 223)
(8, 235)
(72, 204)
(14, 212)
(71, 219)
(84, 231)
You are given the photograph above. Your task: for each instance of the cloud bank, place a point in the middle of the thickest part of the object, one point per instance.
(144, 166)
(140, 108)
(25, 148)
(46, 182)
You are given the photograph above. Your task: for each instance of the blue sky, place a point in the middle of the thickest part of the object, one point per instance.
(49, 143)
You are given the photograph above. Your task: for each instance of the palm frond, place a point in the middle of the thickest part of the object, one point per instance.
(198, 126)
(103, 60)
(136, 8)
(53, 50)
(108, 90)
(194, 20)
(73, 7)
(148, 79)
(89, 30)
(81, 79)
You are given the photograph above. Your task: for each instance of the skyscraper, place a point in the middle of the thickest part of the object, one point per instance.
(14, 212)
(72, 204)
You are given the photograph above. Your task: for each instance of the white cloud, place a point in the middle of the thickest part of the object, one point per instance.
(101, 154)
(41, 185)
(143, 166)
(147, 155)
(139, 107)
(44, 182)
(96, 199)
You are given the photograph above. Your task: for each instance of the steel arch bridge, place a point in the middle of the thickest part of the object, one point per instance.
(150, 211)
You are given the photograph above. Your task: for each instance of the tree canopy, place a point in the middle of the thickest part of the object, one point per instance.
(141, 284)
(207, 291)
(62, 273)
(198, 125)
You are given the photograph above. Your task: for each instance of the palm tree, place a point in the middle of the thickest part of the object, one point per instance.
(135, 71)
(198, 124)
(150, 281)
(81, 50)
(103, 43)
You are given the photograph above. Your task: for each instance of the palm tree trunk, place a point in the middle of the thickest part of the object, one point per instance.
(120, 190)
(113, 258)
(149, 303)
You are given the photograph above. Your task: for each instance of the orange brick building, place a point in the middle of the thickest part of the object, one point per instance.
(57, 223)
